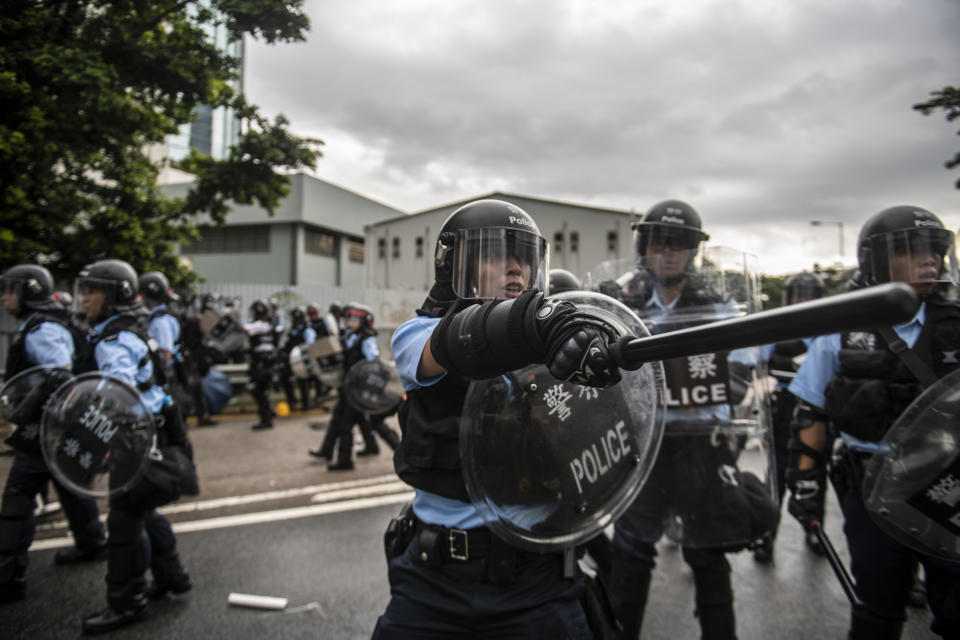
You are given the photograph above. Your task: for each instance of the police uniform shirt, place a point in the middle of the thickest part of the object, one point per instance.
(49, 344)
(369, 345)
(260, 328)
(310, 336)
(823, 362)
(121, 356)
(407, 345)
(164, 329)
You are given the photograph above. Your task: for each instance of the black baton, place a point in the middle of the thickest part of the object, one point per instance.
(836, 563)
(887, 304)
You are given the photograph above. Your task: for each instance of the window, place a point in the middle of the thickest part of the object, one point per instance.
(396, 248)
(320, 244)
(355, 251)
(238, 239)
(574, 242)
(419, 246)
(382, 248)
(558, 242)
(612, 241)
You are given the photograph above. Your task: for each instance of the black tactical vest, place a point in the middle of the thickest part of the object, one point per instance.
(873, 386)
(354, 354)
(17, 355)
(782, 358)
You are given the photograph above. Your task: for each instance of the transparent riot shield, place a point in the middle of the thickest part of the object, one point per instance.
(911, 486)
(550, 463)
(22, 400)
(302, 365)
(373, 387)
(96, 435)
(714, 482)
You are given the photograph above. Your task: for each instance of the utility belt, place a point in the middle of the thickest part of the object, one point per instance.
(436, 546)
(846, 468)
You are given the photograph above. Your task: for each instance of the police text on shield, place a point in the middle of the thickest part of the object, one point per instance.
(594, 462)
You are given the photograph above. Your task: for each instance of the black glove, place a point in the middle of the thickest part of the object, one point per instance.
(807, 489)
(483, 341)
(610, 288)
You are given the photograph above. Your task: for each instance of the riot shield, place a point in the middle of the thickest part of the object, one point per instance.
(549, 463)
(373, 387)
(96, 435)
(22, 400)
(302, 365)
(714, 482)
(911, 486)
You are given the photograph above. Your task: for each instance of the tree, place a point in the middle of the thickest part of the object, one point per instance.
(947, 99)
(87, 85)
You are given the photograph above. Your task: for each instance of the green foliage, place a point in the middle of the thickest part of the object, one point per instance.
(85, 86)
(947, 99)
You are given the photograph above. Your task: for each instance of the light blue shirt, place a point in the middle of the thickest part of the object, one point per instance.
(121, 357)
(407, 345)
(822, 361)
(309, 335)
(49, 344)
(369, 345)
(165, 330)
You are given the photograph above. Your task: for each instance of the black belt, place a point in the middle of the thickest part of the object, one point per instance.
(438, 543)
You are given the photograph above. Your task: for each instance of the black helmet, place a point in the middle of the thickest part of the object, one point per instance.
(336, 308)
(487, 230)
(357, 310)
(155, 287)
(33, 286)
(673, 222)
(259, 310)
(803, 286)
(298, 316)
(117, 279)
(902, 230)
(562, 280)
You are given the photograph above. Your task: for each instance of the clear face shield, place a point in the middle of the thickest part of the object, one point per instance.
(498, 263)
(668, 253)
(923, 258)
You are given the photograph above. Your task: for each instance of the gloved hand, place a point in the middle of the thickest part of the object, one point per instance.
(610, 288)
(806, 501)
(578, 344)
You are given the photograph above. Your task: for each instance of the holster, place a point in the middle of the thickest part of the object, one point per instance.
(846, 470)
(399, 532)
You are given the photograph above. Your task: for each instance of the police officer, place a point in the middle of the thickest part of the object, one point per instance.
(860, 382)
(43, 339)
(483, 317)
(562, 280)
(301, 334)
(359, 343)
(667, 292)
(782, 359)
(263, 348)
(120, 347)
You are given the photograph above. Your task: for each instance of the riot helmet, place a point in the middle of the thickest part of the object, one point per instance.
(156, 288)
(117, 280)
(33, 287)
(298, 316)
(666, 240)
(906, 244)
(64, 299)
(361, 312)
(313, 311)
(335, 309)
(801, 287)
(259, 310)
(562, 280)
(490, 249)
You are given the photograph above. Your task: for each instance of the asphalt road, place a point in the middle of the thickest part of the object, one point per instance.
(272, 521)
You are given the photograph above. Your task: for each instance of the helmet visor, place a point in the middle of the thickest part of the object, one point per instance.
(498, 263)
(802, 292)
(919, 257)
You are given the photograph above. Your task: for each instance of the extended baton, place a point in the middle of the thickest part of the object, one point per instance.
(836, 563)
(887, 304)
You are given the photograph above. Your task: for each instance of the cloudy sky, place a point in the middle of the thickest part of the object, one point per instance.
(763, 115)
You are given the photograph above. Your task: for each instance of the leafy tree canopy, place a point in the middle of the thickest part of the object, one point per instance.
(947, 99)
(87, 85)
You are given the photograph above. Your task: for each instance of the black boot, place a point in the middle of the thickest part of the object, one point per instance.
(341, 466)
(866, 626)
(763, 551)
(319, 452)
(125, 606)
(367, 451)
(168, 576)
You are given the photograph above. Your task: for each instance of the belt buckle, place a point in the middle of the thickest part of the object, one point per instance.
(453, 537)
